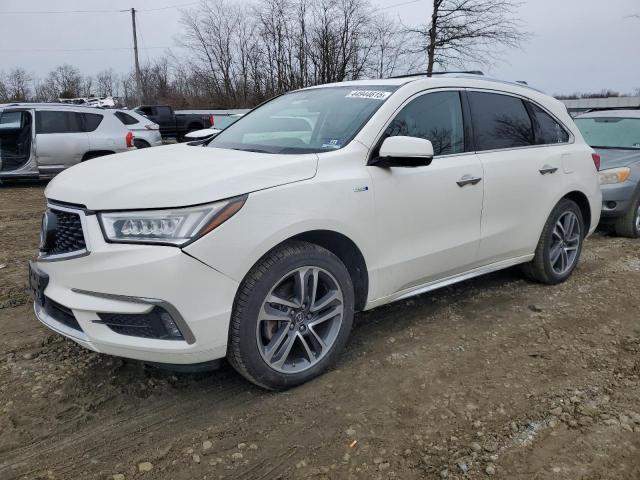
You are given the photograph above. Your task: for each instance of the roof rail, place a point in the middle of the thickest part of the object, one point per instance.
(422, 74)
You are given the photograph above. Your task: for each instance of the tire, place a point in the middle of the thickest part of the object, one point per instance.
(546, 266)
(254, 350)
(629, 224)
(140, 143)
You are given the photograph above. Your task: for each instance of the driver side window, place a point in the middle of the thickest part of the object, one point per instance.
(434, 116)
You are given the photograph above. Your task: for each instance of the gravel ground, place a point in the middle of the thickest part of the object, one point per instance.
(495, 377)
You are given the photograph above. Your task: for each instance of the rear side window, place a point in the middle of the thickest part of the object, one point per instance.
(436, 117)
(48, 121)
(126, 118)
(500, 121)
(549, 130)
(91, 121)
(163, 111)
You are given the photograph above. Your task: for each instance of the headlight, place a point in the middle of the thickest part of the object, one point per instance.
(177, 226)
(614, 175)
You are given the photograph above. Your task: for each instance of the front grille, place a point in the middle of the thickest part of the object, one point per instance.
(61, 314)
(68, 236)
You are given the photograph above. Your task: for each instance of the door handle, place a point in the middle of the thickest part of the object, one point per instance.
(548, 169)
(468, 180)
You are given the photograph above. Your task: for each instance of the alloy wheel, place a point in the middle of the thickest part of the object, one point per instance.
(299, 319)
(565, 243)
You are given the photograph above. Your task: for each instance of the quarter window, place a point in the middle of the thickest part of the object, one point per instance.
(48, 121)
(91, 121)
(549, 130)
(126, 118)
(436, 117)
(500, 121)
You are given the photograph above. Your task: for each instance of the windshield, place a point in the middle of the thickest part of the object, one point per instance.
(305, 121)
(610, 132)
(223, 121)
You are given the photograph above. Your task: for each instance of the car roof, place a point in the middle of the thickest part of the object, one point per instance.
(446, 79)
(611, 114)
(53, 106)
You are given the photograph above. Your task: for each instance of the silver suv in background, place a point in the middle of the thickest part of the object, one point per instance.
(146, 133)
(615, 135)
(41, 140)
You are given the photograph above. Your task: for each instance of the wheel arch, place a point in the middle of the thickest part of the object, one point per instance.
(583, 203)
(95, 154)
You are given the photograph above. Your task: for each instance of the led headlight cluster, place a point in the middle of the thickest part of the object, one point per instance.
(177, 226)
(614, 175)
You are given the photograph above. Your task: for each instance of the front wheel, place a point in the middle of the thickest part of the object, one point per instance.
(292, 316)
(560, 245)
(629, 224)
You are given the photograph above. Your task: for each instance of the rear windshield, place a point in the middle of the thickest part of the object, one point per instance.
(126, 118)
(305, 121)
(610, 132)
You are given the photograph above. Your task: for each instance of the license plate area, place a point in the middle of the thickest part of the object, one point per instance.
(38, 281)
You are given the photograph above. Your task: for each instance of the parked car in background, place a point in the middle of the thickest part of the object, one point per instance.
(172, 124)
(145, 132)
(220, 122)
(260, 245)
(41, 140)
(615, 135)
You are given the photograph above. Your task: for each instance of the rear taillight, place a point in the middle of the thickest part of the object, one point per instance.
(129, 139)
(596, 160)
(211, 120)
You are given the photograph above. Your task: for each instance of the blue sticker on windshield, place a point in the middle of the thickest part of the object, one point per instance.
(331, 143)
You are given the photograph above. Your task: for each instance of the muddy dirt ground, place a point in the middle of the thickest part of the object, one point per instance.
(495, 377)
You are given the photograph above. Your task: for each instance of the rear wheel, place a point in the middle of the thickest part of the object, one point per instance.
(629, 224)
(292, 316)
(560, 245)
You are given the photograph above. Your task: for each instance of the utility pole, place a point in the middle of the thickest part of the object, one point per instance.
(135, 53)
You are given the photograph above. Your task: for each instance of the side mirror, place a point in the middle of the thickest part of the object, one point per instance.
(404, 152)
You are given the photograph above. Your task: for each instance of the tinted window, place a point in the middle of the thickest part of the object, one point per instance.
(436, 117)
(125, 118)
(163, 111)
(91, 121)
(144, 111)
(58, 122)
(549, 130)
(500, 121)
(10, 120)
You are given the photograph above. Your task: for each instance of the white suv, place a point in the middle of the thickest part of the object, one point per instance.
(260, 245)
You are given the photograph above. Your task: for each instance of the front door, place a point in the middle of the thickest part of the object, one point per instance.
(428, 217)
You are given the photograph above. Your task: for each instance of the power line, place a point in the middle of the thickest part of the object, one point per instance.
(4, 50)
(60, 12)
(399, 4)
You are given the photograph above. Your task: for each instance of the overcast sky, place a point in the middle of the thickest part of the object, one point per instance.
(577, 45)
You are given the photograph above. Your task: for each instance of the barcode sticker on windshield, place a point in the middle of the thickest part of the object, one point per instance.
(372, 94)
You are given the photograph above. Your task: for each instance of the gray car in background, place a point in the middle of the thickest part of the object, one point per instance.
(615, 135)
(146, 133)
(41, 140)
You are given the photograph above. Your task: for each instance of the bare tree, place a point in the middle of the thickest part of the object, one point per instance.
(461, 31)
(17, 84)
(107, 83)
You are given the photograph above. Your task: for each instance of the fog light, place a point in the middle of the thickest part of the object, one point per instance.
(157, 324)
(611, 205)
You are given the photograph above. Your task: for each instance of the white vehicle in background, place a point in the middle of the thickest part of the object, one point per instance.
(220, 123)
(261, 245)
(145, 132)
(39, 140)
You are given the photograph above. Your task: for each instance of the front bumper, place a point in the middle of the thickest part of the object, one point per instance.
(616, 198)
(132, 279)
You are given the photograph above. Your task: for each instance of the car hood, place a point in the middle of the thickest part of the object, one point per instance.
(614, 157)
(174, 176)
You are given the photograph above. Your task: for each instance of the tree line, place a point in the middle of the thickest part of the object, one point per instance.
(237, 54)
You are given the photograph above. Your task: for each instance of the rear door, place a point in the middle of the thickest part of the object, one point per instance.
(429, 216)
(60, 139)
(522, 175)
